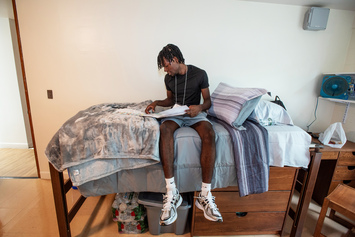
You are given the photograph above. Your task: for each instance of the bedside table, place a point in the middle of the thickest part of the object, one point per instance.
(337, 166)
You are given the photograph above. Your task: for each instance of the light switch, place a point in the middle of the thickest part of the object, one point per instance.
(50, 94)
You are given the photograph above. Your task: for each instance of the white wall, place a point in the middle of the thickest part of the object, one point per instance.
(339, 109)
(12, 127)
(89, 52)
(6, 10)
(349, 125)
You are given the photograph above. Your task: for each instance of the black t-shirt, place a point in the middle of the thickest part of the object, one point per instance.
(196, 80)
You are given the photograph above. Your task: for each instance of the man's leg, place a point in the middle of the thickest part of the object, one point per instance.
(208, 149)
(205, 201)
(166, 147)
(172, 199)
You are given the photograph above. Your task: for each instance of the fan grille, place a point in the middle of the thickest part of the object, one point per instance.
(335, 86)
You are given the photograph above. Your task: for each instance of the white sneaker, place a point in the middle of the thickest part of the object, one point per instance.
(170, 205)
(209, 207)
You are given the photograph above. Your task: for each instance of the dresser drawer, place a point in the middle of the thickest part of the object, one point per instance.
(252, 223)
(330, 155)
(280, 178)
(268, 201)
(346, 158)
(344, 173)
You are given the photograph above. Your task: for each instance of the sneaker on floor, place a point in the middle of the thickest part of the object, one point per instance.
(170, 205)
(209, 207)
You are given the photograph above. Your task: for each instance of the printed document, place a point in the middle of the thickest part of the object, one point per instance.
(175, 111)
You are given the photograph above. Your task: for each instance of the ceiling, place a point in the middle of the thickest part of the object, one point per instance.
(332, 4)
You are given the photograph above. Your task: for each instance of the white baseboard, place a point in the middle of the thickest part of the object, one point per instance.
(45, 175)
(14, 145)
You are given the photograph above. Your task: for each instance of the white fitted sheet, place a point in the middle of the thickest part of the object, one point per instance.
(288, 146)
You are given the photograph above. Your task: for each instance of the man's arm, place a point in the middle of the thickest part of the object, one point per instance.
(196, 109)
(168, 101)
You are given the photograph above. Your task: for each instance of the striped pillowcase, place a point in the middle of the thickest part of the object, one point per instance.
(233, 105)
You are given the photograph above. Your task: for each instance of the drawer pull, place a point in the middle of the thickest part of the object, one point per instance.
(351, 167)
(241, 214)
(346, 181)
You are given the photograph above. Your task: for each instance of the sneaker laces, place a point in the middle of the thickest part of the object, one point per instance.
(168, 200)
(209, 200)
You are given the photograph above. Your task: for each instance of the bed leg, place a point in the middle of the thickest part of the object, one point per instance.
(306, 196)
(60, 202)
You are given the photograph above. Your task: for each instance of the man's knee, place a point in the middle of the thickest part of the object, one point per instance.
(168, 128)
(206, 132)
(210, 135)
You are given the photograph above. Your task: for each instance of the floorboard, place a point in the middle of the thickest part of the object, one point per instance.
(17, 163)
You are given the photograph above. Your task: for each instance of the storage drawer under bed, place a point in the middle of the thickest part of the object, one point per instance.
(253, 214)
(281, 178)
(250, 224)
(263, 202)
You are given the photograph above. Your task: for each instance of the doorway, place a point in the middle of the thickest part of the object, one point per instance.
(17, 153)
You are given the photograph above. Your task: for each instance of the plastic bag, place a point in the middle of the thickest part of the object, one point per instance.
(333, 136)
(130, 216)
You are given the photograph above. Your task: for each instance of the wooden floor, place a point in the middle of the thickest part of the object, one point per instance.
(27, 209)
(17, 163)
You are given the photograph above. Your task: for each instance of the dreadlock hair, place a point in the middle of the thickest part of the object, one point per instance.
(169, 52)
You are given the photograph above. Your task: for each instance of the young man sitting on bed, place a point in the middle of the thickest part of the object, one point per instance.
(184, 85)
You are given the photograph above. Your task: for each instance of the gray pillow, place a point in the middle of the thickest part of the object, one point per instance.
(233, 105)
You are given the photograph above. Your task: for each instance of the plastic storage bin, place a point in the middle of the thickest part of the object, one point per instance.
(153, 202)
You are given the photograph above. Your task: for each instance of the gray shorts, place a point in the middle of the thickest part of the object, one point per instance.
(186, 120)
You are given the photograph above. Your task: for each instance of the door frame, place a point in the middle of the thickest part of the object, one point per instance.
(25, 86)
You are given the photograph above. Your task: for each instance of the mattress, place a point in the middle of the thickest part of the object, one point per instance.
(288, 146)
(151, 178)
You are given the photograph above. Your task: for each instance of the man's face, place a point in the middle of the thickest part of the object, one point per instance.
(171, 68)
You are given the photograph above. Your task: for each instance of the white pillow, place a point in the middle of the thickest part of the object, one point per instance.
(233, 105)
(268, 113)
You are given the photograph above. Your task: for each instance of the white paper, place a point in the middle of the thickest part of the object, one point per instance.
(175, 111)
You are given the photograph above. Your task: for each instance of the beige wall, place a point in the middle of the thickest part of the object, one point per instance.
(89, 52)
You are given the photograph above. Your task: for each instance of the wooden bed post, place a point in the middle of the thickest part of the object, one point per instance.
(60, 201)
(306, 194)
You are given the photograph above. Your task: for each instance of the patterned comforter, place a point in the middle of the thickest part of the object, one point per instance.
(107, 133)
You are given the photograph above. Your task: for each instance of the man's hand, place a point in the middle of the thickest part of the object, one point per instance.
(194, 110)
(151, 107)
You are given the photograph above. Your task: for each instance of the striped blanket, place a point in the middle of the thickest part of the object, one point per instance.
(251, 155)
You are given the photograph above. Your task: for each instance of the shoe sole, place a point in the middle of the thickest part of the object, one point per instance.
(164, 223)
(199, 206)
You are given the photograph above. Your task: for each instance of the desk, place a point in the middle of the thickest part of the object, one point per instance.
(337, 166)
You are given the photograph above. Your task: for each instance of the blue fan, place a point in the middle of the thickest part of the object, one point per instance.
(335, 87)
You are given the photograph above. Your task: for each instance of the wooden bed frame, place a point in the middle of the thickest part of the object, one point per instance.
(305, 185)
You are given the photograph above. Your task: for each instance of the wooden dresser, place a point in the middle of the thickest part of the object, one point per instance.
(337, 166)
(250, 215)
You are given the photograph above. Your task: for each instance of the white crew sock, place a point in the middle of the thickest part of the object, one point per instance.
(205, 189)
(170, 185)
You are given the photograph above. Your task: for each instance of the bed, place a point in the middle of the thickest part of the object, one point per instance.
(115, 164)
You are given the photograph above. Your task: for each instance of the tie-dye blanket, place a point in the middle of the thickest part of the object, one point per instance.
(107, 132)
